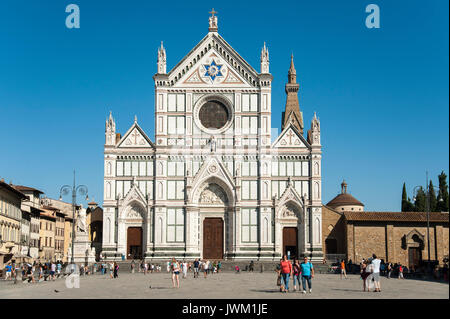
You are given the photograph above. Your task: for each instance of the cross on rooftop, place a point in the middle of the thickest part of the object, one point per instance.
(213, 12)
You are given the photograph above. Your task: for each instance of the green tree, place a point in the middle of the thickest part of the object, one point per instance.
(407, 205)
(433, 200)
(404, 198)
(420, 201)
(442, 198)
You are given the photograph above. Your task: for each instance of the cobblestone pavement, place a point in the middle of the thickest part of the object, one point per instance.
(223, 285)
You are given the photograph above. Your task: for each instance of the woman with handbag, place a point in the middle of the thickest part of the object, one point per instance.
(286, 270)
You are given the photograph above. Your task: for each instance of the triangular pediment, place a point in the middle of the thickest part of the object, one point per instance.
(213, 167)
(213, 62)
(135, 137)
(135, 194)
(290, 137)
(290, 195)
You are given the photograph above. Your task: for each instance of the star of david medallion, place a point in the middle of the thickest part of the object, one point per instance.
(213, 70)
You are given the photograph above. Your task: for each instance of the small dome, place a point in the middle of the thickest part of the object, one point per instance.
(344, 199)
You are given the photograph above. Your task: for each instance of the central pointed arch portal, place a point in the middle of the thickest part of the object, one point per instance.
(215, 211)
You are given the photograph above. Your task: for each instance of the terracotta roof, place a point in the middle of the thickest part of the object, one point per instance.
(396, 216)
(48, 213)
(12, 189)
(344, 199)
(26, 188)
(92, 203)
(50, 208)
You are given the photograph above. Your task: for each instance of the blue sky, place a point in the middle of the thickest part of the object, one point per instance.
(381, 94)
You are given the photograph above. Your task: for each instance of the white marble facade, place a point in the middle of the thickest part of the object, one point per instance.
(213, 156)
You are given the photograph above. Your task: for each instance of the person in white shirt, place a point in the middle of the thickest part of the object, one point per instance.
(185, 269)
(376, 272)
(205, 267)
(53, 271)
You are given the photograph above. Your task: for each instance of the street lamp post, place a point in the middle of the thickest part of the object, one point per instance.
(81, 190)
(428, 208)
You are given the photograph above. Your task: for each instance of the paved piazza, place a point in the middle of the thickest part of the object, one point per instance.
(223, 285)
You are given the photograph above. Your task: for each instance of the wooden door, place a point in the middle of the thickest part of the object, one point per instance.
(415, 257)
(134, 243)
(290, 242)
(213, 238)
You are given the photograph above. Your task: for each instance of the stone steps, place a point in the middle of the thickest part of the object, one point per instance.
(228, 265)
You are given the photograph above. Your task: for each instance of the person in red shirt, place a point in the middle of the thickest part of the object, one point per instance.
(400, 272)
(286, 271)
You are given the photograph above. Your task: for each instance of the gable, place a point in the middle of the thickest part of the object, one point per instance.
(135, 137)
(290, 194)
(214, 54)
(290, 138)
(212, 167)
(212, 70)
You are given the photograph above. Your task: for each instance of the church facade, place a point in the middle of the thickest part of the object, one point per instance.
(214, 183)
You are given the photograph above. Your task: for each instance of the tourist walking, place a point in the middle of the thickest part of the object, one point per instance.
(175, 273)
(219, 265)
(133, 265)
(205, 268)
(168, 266)
(52, 271)
(111, 269)
(369, 279)
(389, 270)
(296, 271)
(251, 266)
(8, 271)
(343, 272)
(376, 272)
(30, 274)
(286, 270)
(41, 271)
(116, 270)
(58, 269)
(364, 274)
(210, 267)
(400, 272)
(185, 268)
(196, 264)
(145, 268)
(307, 273)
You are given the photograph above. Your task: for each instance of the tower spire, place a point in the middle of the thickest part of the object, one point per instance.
(264, 59)
(161, 59)
(292, 112)
(292, 74)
